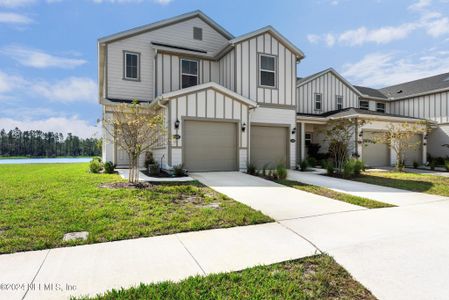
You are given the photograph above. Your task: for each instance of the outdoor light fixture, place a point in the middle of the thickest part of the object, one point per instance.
(176, 124)
(243, 127)
(361, 133)
(294, 130)
(425, 137)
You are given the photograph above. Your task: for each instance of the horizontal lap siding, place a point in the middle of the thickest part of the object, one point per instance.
(179, 34)
(246, 55)
(329, 86)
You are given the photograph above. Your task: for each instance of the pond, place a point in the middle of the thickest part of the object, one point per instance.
(58, 160)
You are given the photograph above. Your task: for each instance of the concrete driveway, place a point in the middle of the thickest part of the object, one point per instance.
(397, 253)
(275, 200)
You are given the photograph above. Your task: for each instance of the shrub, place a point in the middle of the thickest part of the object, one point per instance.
(446, 165)
(433, 164)
(149, 159)
(275, 175)
(312, 161)
(303, 166)
(109, 167)
(179, 171)
(330, 168)
(97, 158)
(348, 169)
(264, 169)
(95, 166)
(415, 165)
(251, 169)
(154, 169)
(281, 171)
(312, 150)
(359, 166)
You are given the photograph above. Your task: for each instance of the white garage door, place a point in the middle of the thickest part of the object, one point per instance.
(374, 154)
(269, 146)
(210, 146)
(414, 154)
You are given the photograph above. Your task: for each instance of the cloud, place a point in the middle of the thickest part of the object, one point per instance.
(73, 89)
(13, 18)
(431, 22)
(384, 69)
(9, 82)
(161, 2)
(39, 59)
(15, 3)
(65, 125)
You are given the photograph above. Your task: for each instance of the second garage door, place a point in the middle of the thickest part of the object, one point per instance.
(414, 154)
(269, 146)
(375, 154)
(210, 146)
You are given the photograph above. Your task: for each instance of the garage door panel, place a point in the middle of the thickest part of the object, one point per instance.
(269, 146)
(375, 154)
(210, 146)
(414, 154)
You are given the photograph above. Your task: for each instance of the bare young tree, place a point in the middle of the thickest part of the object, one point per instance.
(340, 134)
(398, 138)
(136, 129)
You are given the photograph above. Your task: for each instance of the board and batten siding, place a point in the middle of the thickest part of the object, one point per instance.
(329, 86)
(207, 104)
(433, 107)
(245, 69)
(168, 72)
(180, 33)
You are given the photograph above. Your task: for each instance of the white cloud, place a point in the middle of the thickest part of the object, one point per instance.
(384, 69)
(313, 38)
(13, 18)
(15, 3)
(39, 59)
(438, 27)
(73, 89)
(9, 82)
(420, 5)
(64, 125)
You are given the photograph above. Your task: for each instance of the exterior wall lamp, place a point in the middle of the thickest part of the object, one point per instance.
(243, 127)
(177, 124)
(361, 133)
(294, 130)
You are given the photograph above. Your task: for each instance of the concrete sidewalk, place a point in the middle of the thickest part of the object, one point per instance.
(375, 192)
(277, 201)
(96, 268)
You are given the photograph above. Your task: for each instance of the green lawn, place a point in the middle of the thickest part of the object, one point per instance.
(322, 191)
(431, 184)
(318, 277)
(40, 203)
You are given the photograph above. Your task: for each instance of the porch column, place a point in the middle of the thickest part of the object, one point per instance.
(303, 142)
(424, 148)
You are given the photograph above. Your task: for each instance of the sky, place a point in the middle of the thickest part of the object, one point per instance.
(48, 48)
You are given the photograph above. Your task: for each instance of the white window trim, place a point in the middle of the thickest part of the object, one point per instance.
(383, 110)
(306, 139)
(315, 102)
(337, 97)
(269, 71)
(360, 104)
(188, 74)
(125, 53)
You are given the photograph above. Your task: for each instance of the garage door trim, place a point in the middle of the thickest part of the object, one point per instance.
(217, 120)
(283, 125)
(377, 131)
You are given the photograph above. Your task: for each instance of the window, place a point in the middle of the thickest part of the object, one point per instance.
(189, 73)
(364, 104)
(131, 66)
(307, 138)
(380, 107)
(267, 71)
(197, 33)
(317, 101)
(339, 102)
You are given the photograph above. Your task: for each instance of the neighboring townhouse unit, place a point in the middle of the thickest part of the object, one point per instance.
(226, 100)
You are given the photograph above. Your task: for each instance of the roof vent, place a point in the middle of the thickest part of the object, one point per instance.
(399, 92)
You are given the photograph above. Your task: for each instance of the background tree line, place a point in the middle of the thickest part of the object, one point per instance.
(36, 143)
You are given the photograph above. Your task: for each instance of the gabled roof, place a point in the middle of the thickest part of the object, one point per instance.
(330, 70)
(276, 34)
(167, 22)
(370, 92)
(417, 87)
(205, 86)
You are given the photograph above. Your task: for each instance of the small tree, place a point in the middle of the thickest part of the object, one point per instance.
(135, 129)
(398, 138)
(340, 134)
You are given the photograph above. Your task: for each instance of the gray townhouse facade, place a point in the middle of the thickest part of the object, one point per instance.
(229, 101)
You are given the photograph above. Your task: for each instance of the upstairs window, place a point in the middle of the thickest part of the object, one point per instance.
(189, 73)
(197, 33)
(267, 71)
(131, 66)
(317, 101)
(339, 102)
(363, 104)
(380, 107)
